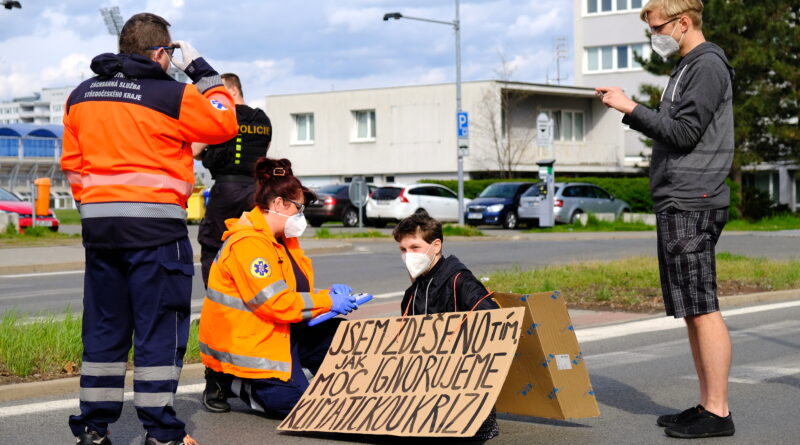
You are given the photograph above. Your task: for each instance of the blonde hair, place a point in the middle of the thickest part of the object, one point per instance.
(674, 8)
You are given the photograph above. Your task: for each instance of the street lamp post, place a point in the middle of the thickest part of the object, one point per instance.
(456, 24)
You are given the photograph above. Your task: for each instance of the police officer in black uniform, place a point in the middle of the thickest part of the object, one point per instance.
(231, 166)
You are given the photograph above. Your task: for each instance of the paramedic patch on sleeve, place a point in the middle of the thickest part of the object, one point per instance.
(259, 268)
(218, 105)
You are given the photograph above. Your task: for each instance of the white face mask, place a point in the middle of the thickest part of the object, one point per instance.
(417, 263)
(665, 45)
(295, 224)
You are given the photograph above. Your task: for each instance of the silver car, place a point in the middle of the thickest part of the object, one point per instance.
(571, 200)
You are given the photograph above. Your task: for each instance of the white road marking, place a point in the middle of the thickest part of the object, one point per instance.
(753, 375)
(72, 403)
(388, 295)
(43, 274)
(663, 323)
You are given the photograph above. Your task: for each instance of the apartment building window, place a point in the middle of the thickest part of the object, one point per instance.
(568, 126)
(364, 125)
(609, 6)
(615, 58)
(304, 128)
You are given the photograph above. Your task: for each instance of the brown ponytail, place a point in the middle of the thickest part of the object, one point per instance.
(275, 179)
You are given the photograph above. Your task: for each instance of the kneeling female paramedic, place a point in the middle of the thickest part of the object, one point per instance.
(253, 337)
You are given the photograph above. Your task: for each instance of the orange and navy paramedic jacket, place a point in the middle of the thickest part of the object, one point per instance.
(127, 147)
(252, 301)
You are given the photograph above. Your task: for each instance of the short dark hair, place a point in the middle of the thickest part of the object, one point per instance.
(232, 80)
(274, 178)
(142, 31)
(420, 223)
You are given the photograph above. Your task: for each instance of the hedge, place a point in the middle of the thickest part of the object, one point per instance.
(635, 191)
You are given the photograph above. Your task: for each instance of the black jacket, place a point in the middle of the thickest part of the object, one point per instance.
(434, 290)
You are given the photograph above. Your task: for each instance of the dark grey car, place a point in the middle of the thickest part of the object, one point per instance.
(333, 204)
(571, 200)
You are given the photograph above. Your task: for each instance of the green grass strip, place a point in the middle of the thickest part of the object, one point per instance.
(595, 225)
(460, 230)
(325, 233)
(635, 281)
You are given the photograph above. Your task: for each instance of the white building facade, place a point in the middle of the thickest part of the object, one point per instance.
(42, 108)
(403, 134)
(607, 33)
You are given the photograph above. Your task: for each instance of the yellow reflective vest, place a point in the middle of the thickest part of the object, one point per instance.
(251, 301)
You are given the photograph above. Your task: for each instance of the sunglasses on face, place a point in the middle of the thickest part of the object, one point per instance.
(300, 207)
(168, 49)
(657, 29)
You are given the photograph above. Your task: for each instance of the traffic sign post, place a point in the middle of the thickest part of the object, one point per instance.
(358, 193)
(544, 131)
(463, 125)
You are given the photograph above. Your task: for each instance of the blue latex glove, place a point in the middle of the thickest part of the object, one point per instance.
(341, 289)
(342, 304)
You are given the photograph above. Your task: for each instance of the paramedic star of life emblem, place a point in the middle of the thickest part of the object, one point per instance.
(259, 268)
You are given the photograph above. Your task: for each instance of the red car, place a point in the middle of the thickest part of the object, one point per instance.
(10, 203)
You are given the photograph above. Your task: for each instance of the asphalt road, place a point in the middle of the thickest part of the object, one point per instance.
(636, 376)
(374, 265)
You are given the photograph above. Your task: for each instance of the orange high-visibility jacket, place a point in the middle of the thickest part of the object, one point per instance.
(251, 301)
(127, 148)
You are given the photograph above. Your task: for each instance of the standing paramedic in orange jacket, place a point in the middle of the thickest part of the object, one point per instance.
(253, 334)
(127, 154)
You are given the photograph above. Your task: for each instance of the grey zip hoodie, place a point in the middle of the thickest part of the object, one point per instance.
(692, 132)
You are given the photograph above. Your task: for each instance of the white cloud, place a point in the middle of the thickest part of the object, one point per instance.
(282, 48)
(170, 9)
(525, 26)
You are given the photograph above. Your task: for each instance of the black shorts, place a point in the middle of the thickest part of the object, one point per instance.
(686, 259)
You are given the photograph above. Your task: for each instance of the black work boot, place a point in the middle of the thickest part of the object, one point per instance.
(215, 395)
(92, 438)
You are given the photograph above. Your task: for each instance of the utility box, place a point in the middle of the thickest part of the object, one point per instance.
(42, 204)
(546, 192)
(548, 377)
(196, 206)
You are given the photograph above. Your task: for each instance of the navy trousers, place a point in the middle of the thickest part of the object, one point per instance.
(275, 397)
(139, 297)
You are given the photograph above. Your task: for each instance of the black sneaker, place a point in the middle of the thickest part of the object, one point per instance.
(215, 395)
(704, 424)
(92, 438)
(187, 440)
(668, 420)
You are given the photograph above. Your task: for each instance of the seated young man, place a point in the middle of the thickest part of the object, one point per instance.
(439, 284)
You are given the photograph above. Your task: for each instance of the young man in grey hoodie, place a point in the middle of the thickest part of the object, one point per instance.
(693, 148)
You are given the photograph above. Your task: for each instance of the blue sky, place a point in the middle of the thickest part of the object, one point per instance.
(280, 47)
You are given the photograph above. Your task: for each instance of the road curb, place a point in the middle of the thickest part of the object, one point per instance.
(71, 385)
(80, 265)
(758, 297)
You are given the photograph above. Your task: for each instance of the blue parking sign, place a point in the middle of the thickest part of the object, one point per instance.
(463, 124)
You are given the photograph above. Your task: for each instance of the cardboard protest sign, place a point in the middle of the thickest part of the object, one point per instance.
(425, 375)
(548, 377)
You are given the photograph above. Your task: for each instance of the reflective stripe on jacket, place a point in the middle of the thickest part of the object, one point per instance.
(251, 302)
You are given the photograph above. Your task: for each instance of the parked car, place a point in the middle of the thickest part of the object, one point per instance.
(333, 204)
(570, 200)
(395, 202)
(497, 204)
(10, 203)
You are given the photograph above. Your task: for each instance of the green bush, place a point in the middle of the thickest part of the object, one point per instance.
(634, 191)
